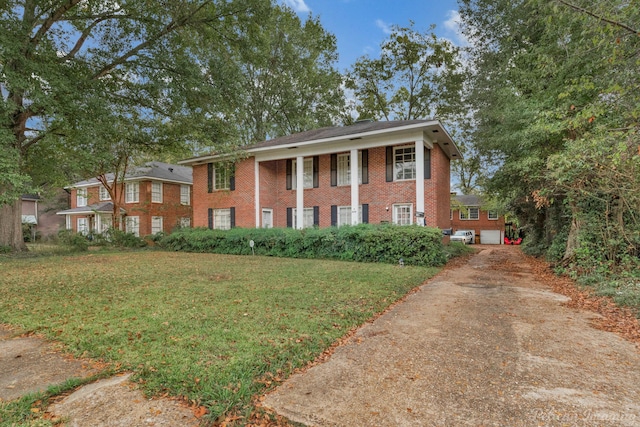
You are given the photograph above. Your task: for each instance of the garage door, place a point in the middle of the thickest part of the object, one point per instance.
(490, 237)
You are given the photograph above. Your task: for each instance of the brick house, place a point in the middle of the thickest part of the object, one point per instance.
(401, 176)
(39, 213)
(467, 213)
(155, 197)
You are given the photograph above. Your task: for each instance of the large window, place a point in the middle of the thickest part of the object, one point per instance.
(156, 192)
(344, 168)
(469, 213)
(156, 224)
(307, 174)
(132, 225)
(344, 215)
(132, 192)
(81, 197)
(404, 163)
(403, 214)
(222, 178)
(222, 219)
(185, 195)
(307, 218)
(104, 194)
(103, 222)
(83, 225)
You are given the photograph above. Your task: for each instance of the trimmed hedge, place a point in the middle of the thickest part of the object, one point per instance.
(363, 243)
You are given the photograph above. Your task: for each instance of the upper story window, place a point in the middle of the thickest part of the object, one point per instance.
(132, 192)
(492, 214)
(404, 163)
(104, 193)
(185, 195)
(81, 197)
(344, 168)
(156, 192)
(307, 174)
(220, 176)
(469, 213)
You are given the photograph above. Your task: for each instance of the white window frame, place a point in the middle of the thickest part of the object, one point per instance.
(132, 192)
(399, 214)
(185, 222)
(221, 177)
(344, 168)
(465, 213)
(222, 219)
(307, 174)
(185, 195)
(82, 195)
(103, 193)
(82, 226)
(405, 168)
(132, 225)
(156, 224)
(307, 218)
(493, 217)
(267, 211)
(344, 215)
(103, 222)
(156, 192)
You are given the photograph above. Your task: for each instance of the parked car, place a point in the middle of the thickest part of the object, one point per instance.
(464, 236)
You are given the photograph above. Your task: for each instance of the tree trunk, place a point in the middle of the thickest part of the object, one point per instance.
(574, 231)
(11, 226)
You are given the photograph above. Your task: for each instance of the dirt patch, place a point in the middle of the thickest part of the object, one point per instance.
(484, 344)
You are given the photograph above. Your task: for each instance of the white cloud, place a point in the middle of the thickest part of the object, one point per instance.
(452, 26)
(386, 28)
(298, 5)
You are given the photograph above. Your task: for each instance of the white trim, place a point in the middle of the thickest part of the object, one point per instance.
(300, 193)
(135, 193)
(355, 190)
(419, 156)
(269, 211)
(161, 191)
(395, 216)
(188, 187)
(256, 189)
(159, 224)
(133, 179)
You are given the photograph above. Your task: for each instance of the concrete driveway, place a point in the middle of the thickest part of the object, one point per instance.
(485, 344)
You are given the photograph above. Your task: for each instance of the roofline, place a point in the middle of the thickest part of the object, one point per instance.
(135, 178)
(352, 136)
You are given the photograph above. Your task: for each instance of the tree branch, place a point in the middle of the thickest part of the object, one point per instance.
(601, 18)
(48, 23)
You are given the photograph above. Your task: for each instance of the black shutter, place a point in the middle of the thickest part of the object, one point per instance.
(365, 166)
(334, 170)
(334, 215)
(232, 214)
(232, 178)
(365, 213)
(427, 163)
(209, 177)
(316, 215)
(316, 171)
(289, 167)
(210, 217)
(389, 164)
(289, 217)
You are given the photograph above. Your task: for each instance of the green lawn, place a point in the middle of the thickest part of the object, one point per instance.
(208, 327)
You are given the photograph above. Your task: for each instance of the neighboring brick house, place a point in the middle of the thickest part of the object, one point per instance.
(155, 197)
(401, 176)
(467, 214)
(39, 213)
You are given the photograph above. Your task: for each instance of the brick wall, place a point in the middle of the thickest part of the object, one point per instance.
(378, 194)
(171, 210)
(483, 223)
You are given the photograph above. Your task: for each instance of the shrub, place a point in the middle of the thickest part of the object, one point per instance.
(363, 243)
(75, 241)
(118, 238)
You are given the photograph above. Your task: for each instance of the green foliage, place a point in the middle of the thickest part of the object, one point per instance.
(119, 239)
(72, 240)
(363, 243)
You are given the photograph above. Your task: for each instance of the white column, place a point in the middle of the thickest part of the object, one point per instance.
(420, 178)
(256, 188)
(300, 192)
(68, 221)
(355, 189)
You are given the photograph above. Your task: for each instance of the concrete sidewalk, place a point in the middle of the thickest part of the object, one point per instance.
(485, 344)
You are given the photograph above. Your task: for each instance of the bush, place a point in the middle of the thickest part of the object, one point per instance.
(118, 238)
(75, 241)
(363, 243)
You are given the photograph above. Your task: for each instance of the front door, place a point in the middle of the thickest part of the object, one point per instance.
(267, 218)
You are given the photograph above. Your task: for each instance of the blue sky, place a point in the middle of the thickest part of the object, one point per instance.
(361, 25)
